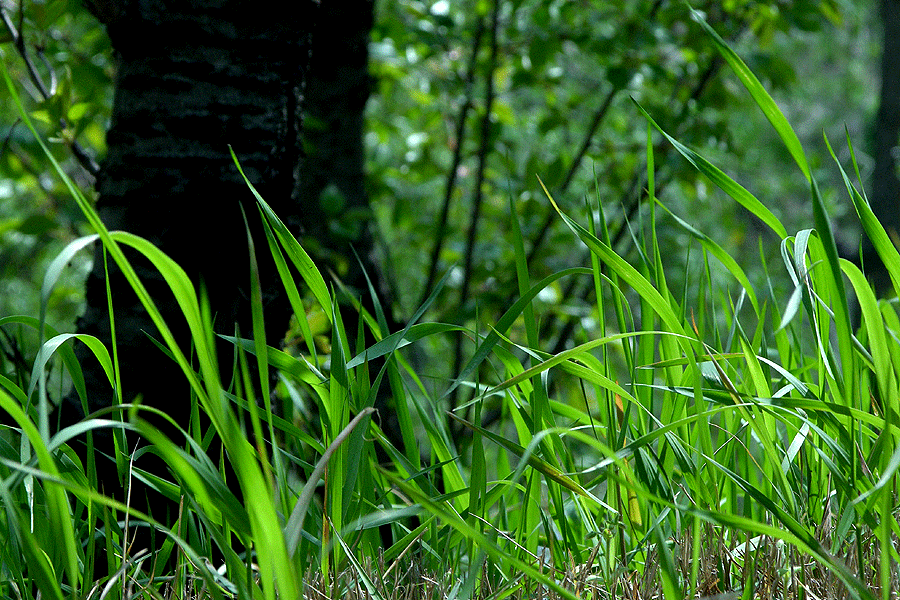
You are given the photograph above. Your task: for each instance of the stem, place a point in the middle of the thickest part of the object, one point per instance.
(478, 199)
(84, 159)
(454, 165)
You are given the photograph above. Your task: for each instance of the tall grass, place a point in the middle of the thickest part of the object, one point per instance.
(725, 441)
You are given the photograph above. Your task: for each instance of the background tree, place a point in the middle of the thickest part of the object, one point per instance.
(331, 185)
(190, 83)
(885, 187)
(562, 76)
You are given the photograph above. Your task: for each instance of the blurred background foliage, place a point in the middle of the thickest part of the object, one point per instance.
(472, 101)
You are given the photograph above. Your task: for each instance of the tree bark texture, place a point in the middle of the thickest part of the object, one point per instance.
(194, 78)
(885, 190)
(331, 184)
(336, 219)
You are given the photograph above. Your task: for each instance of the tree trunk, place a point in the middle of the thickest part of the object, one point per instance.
(336, 220)
(885, 196)
(194, 78)
(331, 185)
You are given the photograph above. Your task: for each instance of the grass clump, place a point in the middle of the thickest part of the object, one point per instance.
(712, 446)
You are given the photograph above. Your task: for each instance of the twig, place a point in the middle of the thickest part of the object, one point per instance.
(450, 185)
(582, 152)
(573, 168)
(84, 159)
(478, 199)
(483, 151)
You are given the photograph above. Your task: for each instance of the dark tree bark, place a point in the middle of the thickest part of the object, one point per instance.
(194, 77)
(331, 184)
(885, 195)
(336, 220)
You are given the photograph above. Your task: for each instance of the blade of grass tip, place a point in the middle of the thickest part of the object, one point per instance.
(290, 287)
(633, 278)
(875, 326)
(54, 270)
(506, 321)
(722, 181)
(38, 373)
(425, 306)
(259, 342)
(839, 295)
(875, 231)
(294, 526)
(50, 347)
(721, 255)
(859, 179)
(376, 302)
(398, 340)
(186, 297)
(298, 255)
(55, 496)
(760, 96)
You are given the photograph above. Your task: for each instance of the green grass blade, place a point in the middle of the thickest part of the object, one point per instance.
(723, 257)
(60, 519)
(50, 347)
(304, 264)
(760, 95)
(506, 321)
(723, 181)
(875, 231)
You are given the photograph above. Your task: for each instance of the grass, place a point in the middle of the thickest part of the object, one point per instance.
(722, 443)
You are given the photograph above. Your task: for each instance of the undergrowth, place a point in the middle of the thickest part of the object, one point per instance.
(719, 442)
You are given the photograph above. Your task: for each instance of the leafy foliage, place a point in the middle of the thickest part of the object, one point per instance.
(684, 443)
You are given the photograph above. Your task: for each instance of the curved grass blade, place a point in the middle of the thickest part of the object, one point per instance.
(759, 94)
(506, 321)
(723, 181)
(294, 526)
(50, 347)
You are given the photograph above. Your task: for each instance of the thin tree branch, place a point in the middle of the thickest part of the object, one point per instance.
(483, 151)
(84, 159)
(478, 198)
(573, 168)
(582, 152)
(450, 185)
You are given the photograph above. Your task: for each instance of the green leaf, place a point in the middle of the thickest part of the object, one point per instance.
(760, 95)
(723, 181)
